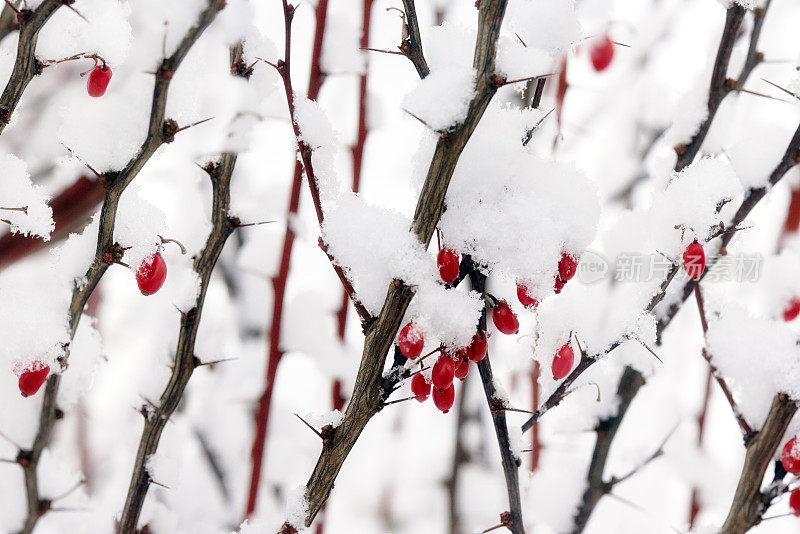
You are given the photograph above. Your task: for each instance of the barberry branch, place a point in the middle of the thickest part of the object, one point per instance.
(279, 281)
(185, 362)
(752, 197)
(747, 432)
(749, 503)
(412, 43)
(26, 66)
(597, 487)
(720, 85)
(514, 522)
(370, 387)
(587, 361)
(115, 184)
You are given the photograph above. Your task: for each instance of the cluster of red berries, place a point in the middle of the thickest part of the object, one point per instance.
(790, 459)
(446, 368)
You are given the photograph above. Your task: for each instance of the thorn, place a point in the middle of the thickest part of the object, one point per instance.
(23, 209)
(520, 40)
(309, 426)
(200, 363)
(242, 225)
(788, 92)
(76, 12)
(395, 52)
(403, 400)
(529, 78)
(159, 484)
(650, 350)
(182, 128)
(419, 119)
(755, 93)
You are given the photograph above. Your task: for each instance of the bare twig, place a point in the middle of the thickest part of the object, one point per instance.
(585, 362)
(747, 432)
(606, 431)
(370, 385)
(752, 197)
(26, 66)
(412, 45)
(510, 463)
(720, 86)
(115, 184)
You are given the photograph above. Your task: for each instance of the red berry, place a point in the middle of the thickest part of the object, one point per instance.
(790, 456)
(525, 298)
(694, 260)
(504, 318)
(420, 386)
(151, 274)
(98, 80)
(443, 398)
(32, 378)
(411, 341)
(559, 285)
(443, 372)
(562, 363)
(794, 501)
(448, 260)
(462, 369)
(601, 53)
(477, 349)
(567, 266)
(792, 310)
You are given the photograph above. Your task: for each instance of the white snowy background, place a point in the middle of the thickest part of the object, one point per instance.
(535, 203)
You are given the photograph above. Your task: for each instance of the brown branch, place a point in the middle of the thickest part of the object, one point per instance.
(587, 361)
(8, 20)
(754, 57)
(115, 184)
(747, 432)
(749, 503)
(370, 386)
(510, 464)
(460, 457)
(719, 84)
(185, 361)
(26, 66)
(606, 431)
(752, 197)
(412, 44)
(279, 281)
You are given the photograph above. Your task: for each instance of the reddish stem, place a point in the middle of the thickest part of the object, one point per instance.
(701, 423)
(71, 207)
(279, 281)
(535, 445)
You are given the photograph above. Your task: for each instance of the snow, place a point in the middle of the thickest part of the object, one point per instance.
(758, 357)
(442, 99)
(297, 508)
(549, 25)
(17, 191)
